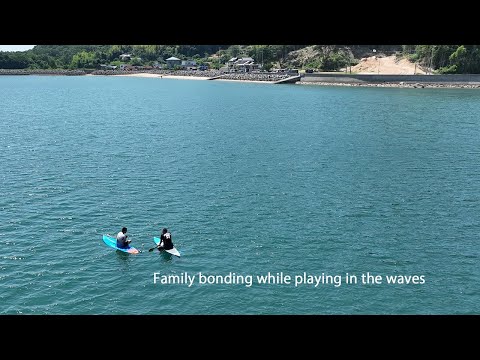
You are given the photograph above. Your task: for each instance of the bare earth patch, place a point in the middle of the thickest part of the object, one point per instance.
(387, 65)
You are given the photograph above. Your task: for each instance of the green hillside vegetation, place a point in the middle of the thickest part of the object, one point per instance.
(444, 59)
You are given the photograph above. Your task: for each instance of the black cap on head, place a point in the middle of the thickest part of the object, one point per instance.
(164, 231)
(124, 230)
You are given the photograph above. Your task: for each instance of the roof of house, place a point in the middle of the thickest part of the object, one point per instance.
(173, 58)
(245, 60)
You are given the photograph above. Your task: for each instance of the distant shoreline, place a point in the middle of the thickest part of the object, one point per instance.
(265, 78)
(158, 76)
(321, 83)
(187, 77)
(394, 85)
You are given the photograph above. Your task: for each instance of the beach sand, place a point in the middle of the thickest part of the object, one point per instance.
(148, 75)
(364, 84)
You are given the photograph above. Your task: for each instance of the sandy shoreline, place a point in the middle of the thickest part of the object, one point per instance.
(158, 76)
(179, 77)
(399, 84)
(356, 84)
(161, 76)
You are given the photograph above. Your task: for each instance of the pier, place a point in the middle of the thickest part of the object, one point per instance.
(289, 80)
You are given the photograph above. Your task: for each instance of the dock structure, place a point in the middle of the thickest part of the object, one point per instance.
(289, 80)
(258, 77)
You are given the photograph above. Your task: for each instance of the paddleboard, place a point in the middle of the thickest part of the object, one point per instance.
(112, 242)
(172, 251)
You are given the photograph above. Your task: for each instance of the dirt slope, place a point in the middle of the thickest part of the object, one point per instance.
(386, 65)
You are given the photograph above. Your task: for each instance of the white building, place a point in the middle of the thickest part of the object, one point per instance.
(125, 57)
(246, 64)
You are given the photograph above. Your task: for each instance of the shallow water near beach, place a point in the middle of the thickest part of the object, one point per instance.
(250, 179)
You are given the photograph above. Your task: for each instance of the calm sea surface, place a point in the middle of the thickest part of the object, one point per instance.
(249, 178)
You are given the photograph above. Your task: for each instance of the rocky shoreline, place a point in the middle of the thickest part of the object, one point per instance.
(268, 77)
(263, 77)
(396, 85)
(42, 72)
(207, 74)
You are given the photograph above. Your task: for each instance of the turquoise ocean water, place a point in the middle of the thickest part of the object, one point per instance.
(250, 179)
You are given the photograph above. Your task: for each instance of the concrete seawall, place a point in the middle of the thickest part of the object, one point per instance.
(373, 78)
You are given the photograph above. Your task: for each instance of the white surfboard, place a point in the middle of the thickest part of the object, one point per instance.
(172, 251)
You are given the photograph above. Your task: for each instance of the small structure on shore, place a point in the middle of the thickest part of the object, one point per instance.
(246, 64)
(107, 67)
(127, 67)
(125, 57)
(189, 64)
(173, 61)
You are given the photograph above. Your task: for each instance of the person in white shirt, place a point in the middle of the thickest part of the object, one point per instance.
(122, 241)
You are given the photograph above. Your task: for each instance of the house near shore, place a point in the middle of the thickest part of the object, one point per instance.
(107, 67)
(127, 67)
(173, 61)
(125, 57)
(245, 65)
(189, 64)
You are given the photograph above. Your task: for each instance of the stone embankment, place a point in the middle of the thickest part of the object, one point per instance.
(397, 85)
(41, 72)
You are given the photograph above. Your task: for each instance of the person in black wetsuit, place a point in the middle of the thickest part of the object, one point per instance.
(165, 240)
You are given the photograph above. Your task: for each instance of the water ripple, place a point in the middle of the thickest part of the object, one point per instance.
(249, 178)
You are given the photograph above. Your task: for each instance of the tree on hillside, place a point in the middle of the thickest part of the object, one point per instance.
(84, 60)
(443, 58)
(14, 60)
(234, 51)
